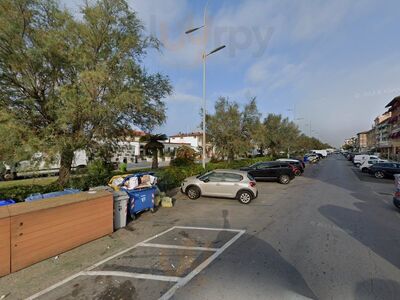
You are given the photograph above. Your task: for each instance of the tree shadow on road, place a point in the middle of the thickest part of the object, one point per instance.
(369, 227)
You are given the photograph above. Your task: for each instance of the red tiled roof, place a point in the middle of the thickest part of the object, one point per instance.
(138, 133)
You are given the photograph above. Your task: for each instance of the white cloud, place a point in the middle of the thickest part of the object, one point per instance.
(341, 103)
(185, 98)
(273, 72)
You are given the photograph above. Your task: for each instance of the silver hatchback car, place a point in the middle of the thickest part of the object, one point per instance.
(221, 183)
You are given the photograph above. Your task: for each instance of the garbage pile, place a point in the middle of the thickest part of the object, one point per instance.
(139, 192)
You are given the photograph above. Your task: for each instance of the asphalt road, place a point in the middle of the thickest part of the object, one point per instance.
(330, 234)
(333, 234)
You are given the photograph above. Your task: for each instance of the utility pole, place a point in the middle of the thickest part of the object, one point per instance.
(204, 58)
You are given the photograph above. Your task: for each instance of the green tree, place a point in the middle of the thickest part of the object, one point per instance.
(76, 82)
(225, 131)
(153, 145)
(252, 127)
(281, 134)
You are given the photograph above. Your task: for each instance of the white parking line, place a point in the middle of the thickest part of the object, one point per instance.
(129, 249)
(206, 228)
(176, 247)
(180, 281)
(131, 275)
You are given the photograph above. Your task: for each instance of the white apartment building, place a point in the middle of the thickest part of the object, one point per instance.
(194, 139)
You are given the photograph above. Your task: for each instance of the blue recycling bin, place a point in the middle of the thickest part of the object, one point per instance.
(140, 199)
(35, 197)
(6, 202)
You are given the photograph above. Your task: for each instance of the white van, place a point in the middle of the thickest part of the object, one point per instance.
(324, 153)
(360, 158)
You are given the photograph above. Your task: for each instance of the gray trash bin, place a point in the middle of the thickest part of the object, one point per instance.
(120, 209)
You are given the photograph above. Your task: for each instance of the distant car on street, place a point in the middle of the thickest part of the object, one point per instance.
(271, 170)
(221, 183)
(359, 159)
(322, 153)
(382, 170)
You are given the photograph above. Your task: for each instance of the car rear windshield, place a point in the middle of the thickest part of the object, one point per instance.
(250, 177)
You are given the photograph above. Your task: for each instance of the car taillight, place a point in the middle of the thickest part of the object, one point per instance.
(397, 194)
(252, 183)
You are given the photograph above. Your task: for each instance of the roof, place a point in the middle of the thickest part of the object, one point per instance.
(194, 134)
(363, 132)
(168, 143)
(391, 103)
(138, 133)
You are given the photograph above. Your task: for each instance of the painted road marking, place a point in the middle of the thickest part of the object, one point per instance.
(177, 247)
(180, 281)
(206, 228)
(131, 275)
(129, 249)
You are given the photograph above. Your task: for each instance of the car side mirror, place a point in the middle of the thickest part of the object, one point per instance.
(206, 180)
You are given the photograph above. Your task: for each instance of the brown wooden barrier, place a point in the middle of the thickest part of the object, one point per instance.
(5, 266)
(48, 227)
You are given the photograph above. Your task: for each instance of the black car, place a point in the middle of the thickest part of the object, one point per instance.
(299, 165)
(382, 170)
(280, 171)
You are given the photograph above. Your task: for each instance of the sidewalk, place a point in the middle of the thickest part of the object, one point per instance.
(40, 276)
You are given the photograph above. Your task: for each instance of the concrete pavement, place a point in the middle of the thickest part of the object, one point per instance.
(330, 234)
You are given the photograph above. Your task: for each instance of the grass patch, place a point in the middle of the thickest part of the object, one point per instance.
(27, 182)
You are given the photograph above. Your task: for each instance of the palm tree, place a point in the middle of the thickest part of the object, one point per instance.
(153, 145)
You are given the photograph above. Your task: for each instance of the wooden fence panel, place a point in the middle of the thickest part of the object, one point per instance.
(46, 228)
(5, 266)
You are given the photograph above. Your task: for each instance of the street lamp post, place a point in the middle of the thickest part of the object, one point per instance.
(204, 58)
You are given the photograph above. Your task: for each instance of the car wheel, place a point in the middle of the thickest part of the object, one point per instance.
(244, 197)
(379, 174)
(284, 179)
(193, 192)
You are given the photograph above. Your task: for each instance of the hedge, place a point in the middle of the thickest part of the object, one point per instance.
(168, 178)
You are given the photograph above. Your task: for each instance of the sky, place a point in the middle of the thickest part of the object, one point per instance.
(331, 64)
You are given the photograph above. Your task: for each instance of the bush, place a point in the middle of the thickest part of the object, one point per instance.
(100, 173)
(19, 193)
(181, 162)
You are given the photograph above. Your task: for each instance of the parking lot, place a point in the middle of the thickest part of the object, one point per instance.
(152, 269)
(381, 187)
(292, 242)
